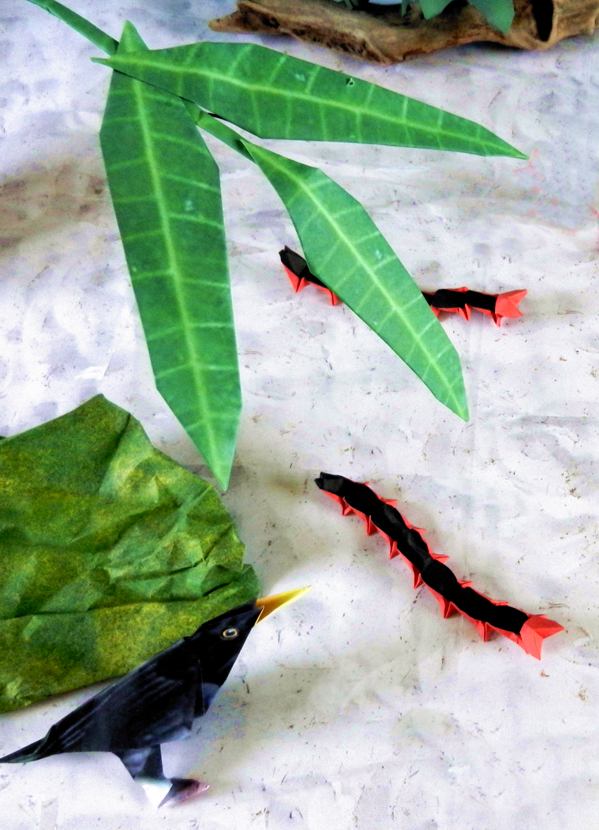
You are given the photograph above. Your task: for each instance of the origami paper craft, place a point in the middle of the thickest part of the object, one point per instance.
(460, 301)
(464, 301)
(158, 701)
(300, 275)
(428, 568)
(170, 216)
(109, 553)
(166, 193)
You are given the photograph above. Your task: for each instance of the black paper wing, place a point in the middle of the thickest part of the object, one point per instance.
(155, 703)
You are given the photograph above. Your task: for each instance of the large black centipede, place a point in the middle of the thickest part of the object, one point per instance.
(488, 615)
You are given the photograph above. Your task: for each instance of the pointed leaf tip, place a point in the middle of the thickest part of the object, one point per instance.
(273, 95)
(165, 189)
(354, 260)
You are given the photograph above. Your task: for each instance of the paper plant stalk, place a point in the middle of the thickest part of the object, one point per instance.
(272, 95)
(79, 24)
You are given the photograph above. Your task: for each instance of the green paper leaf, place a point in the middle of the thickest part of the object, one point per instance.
(109, 553)
(499, 13)
(273, 95)
(344, 247)
(431, 8)
(166, 193)
(355, 261)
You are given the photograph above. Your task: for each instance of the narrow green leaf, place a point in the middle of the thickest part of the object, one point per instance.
(344, 247)
(353, 258)
(431, 8)
(166, 194)
(79, 24)
(277, 96)
(499, 13)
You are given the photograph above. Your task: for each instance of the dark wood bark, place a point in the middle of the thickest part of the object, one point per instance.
(388, 37)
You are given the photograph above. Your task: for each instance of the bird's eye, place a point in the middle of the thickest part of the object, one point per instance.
(230, 633)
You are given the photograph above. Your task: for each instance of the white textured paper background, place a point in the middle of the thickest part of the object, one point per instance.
(358, 707)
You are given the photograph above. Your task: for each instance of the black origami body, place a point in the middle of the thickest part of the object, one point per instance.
(462, 301)
(488, 615)
(155, 703)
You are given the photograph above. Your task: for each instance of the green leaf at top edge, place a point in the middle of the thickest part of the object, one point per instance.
(431, 8)
(166, 194)
(344, 247)
(273, 95)
(499, 13)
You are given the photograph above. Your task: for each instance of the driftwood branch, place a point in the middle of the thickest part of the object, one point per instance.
(388, 37)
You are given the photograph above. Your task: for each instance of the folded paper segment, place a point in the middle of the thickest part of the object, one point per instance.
(507, 304)
(428, 568)
(300, 275)
(462, 301)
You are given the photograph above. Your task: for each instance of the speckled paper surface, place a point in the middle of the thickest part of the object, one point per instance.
(358, 707)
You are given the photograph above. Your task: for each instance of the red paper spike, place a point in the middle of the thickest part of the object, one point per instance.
(536, 629)
(417, 576)
(299, 283)
(371, 528)
(507, 305)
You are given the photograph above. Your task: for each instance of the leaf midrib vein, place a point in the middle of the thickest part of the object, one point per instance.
(253, 88)
(431, 360)
(174, 265)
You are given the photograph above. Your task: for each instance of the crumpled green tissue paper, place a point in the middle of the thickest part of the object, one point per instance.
(109, 553)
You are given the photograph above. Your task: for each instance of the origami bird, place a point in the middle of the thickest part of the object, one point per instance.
(158, 701)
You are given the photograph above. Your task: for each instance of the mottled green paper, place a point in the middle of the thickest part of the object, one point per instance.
(109, 552)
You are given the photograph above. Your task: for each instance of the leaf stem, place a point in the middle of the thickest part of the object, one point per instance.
(103, 41)
(211, 124)
(79, 24)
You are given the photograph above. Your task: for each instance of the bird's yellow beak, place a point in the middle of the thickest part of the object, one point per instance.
(269, 604)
